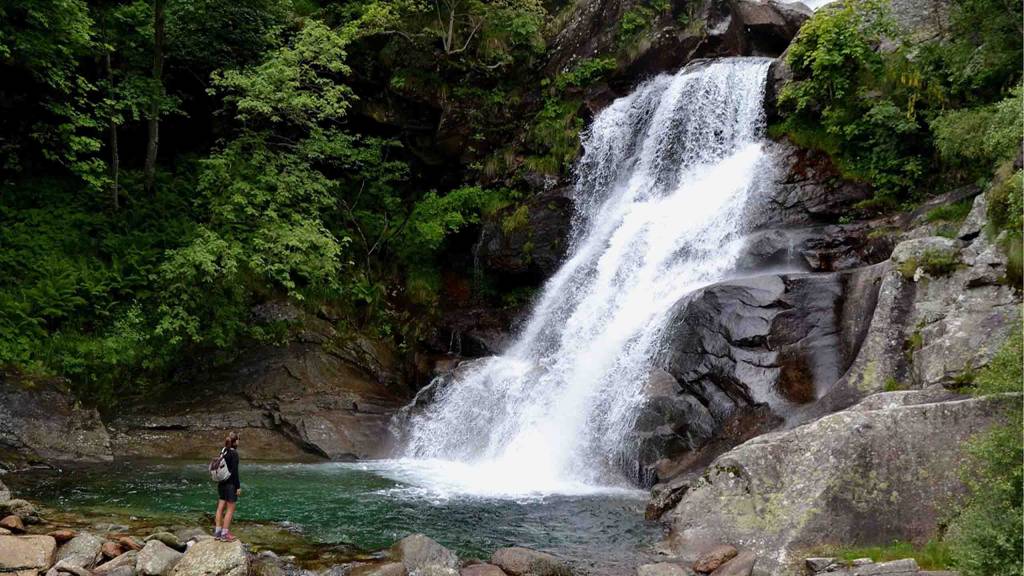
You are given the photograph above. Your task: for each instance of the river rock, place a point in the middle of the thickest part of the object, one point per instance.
(111, 549)
(482, 570)
(904, 567)
(128, 559)
(12, 523)
(128, 543)
(386, 569)
(5, 493)
(157, 559)
(740, 565)
(26, 555)
(856, 477)
(710, 561)
(819, 564)
(63, 535)
(518, 561)
(167, 538)
(213, 558)
(417, 552)
(65, 567)
(20, 508)
(661, 569)
(42, 422)
(83, 551)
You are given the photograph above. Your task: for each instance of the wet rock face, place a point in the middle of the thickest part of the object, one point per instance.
(41, 422)
(526, 243)
(712, 28)
(880, 471)
(320, 395)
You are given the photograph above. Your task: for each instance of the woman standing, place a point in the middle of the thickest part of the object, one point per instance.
(228, 491)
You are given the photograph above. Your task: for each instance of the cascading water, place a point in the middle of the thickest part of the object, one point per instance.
(661, 191)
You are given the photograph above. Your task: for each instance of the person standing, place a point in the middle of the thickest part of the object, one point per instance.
(228, 491)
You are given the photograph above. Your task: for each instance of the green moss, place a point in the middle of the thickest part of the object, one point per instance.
(934, 555)
(935, 263)
(1004, 372)
(516, 220)
(893, 385)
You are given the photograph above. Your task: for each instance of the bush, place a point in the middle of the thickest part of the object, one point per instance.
(978, 138)
(987, 537)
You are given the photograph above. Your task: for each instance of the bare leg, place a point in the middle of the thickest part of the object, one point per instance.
(228, 513)
(220, 513)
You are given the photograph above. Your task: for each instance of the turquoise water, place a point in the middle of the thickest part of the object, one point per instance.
(368, 506)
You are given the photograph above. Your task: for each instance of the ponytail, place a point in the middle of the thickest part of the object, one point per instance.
(231, 440)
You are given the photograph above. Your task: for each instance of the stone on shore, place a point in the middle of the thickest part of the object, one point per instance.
(157, 559)
(20, 508)
(482, 570)
(12, 523)
(5, 493)
(63, 535)
(417, 552)
(82, 551)
(740, 565)
(388, 569)
(213, 558)
(518, 561)
(26, 555)
(111, 549)
(128, 543)
(128, 559)
(710, 561)
(167, 538)
(661, 569)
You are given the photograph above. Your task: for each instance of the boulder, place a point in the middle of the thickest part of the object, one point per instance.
(12, 523)
(826, 248)
(83, 551)
(905, 567)
(741, 565)
(121, 571)
(864, 476)
(213, 558)
(819, 564)
(417, 551)
(157, 559)
(65, 567)
(482, 570)
(661, 569)
(128, 559)
(40, 421)
(517, 561)
(20, 508)
(5, 493)
(710, 561)
(167, 538)
(26, 555)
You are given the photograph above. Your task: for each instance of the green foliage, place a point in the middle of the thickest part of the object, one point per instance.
(891, 385)
(856, 104)
(555, 130)
(955, 212)
(934, 555)
(1005, 204)
(638, 19)
(585, 73)
(932, 262)
(987, 536)
(978, 138)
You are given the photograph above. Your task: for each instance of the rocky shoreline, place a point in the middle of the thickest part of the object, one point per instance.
(33, 544)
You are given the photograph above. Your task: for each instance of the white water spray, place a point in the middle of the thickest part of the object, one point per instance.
(661, 190)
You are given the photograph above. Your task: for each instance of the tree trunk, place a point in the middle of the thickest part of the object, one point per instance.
(115, 160)
(154, 106)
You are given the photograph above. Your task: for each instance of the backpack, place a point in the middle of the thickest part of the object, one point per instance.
(219, 467)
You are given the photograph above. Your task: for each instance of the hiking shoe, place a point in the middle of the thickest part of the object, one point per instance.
(227, 536)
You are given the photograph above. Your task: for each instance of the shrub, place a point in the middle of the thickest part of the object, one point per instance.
(933, 262)
(977, 138)
(955, 212)
(987, 536)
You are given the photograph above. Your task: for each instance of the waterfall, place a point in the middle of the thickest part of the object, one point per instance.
(661, 190)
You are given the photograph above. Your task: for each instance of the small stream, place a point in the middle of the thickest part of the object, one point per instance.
(366, 506)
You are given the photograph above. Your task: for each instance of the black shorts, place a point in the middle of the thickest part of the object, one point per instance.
(226, 491)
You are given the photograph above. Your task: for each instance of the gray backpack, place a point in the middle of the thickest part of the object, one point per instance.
(219, 467)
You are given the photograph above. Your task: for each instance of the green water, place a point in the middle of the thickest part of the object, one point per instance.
(365, 506)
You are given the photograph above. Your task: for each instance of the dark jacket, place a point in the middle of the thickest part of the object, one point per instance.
(231, 458)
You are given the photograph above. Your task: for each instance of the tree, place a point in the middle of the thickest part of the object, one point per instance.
(157, 101)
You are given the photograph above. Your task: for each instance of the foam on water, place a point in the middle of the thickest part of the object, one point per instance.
(661, 191)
